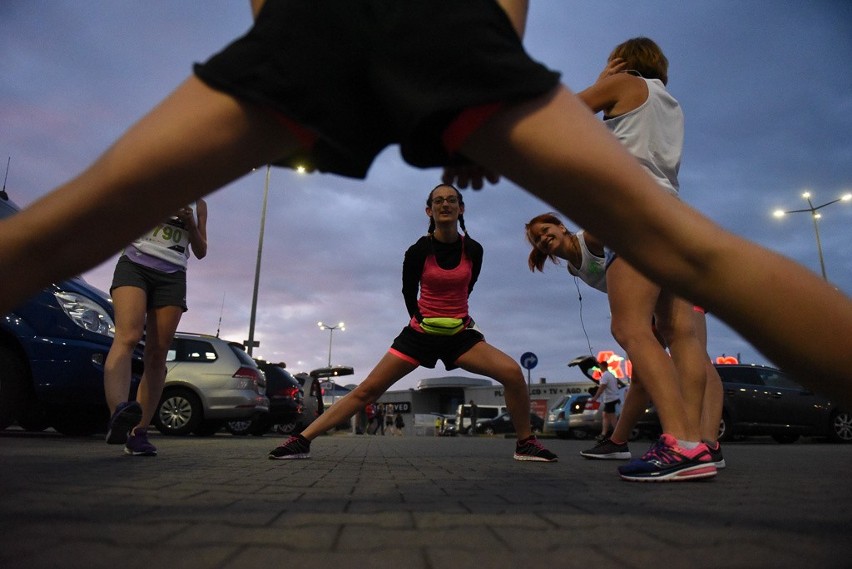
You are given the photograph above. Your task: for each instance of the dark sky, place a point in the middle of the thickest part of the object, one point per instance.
(765, 87)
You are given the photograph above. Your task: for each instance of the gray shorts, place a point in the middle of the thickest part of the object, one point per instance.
(161, 289)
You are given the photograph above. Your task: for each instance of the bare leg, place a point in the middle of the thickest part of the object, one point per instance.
(676, 324)
(714, 393)
(160, 330)
(632, 301)
(634, 406)
(129, 303)
(388, 371)
(555, 148)
(485, 359)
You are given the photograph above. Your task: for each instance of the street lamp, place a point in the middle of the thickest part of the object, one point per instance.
(815, 215)
(250, 343)
(331, 330)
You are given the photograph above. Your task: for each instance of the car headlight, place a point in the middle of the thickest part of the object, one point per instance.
(86, 313)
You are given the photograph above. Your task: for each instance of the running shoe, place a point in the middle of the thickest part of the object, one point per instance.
(665, 461)
(531, 449)
(608, 450)
(295, 447)
(127, 415)
(716, 454)
(138, 445)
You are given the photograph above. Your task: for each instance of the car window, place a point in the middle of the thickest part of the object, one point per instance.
(185, 350)
(241, 354)
(561, 403)
(738, 375)
(775, 378)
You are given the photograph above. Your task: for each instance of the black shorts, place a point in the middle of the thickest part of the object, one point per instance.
(609, 406)
(360, 75)
(161, 289)
(426, 349)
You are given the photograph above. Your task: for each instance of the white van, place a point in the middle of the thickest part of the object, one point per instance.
(482, 412)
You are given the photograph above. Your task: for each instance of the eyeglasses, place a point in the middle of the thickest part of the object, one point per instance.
(440, 200)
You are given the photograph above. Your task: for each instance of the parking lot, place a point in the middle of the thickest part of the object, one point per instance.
(411, 502)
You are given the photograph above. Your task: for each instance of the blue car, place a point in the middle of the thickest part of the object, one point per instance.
(52, 353)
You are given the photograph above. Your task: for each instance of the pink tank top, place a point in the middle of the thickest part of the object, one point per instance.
(443, 293)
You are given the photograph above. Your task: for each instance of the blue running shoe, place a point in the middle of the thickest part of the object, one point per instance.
(127, 415)
(665, 461)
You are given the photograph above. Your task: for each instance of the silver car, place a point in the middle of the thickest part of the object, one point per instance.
(208, 381)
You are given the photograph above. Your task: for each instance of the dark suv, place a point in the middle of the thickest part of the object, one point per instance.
(761, 400)
(285, 404)
(52, 351)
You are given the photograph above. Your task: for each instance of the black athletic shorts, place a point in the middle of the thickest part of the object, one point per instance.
(360, 75)
(609, 406)
(426, 349)
(162, 289)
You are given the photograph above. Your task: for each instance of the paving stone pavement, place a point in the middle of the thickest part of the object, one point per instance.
(411, 502)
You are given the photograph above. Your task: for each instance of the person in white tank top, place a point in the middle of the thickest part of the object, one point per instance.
(149, 295)
(648, 121)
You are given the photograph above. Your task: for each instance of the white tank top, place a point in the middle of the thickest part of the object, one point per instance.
(653, 133)
(168, 241)
(592, 269)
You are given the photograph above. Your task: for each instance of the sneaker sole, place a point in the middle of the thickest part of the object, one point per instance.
(290, 456)
(720, 464)
(528, 458)
(129, 452)
(124, 421)
(611, 456)
(697, 472)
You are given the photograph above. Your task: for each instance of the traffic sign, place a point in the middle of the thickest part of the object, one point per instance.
(529, 360)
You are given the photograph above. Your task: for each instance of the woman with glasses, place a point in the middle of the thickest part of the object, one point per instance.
(438, 275)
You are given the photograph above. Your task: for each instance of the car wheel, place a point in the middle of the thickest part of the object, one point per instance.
(285, 428)
(536, 430)
(488, 430)
(240, 427)
(562, 434)
(580, 434)
(179, 412)
(725, 428)
(785, 439)
(14, 385)
(841, 427)
(635, 433)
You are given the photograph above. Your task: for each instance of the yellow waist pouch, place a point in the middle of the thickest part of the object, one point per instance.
(442, 326)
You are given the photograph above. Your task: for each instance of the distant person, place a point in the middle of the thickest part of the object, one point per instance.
(398, 424)
(608, 394)
(149, 297)
(474, 415)
(456, 90)
(438, 275)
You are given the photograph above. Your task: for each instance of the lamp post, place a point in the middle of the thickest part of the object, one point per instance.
(331, 330)
(815, 216)
(250, 343)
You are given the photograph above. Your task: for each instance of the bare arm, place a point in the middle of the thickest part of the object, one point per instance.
(197, 224)
(615, 92)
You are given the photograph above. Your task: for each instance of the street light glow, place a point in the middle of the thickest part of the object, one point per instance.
(323, 326)
(815, 215)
